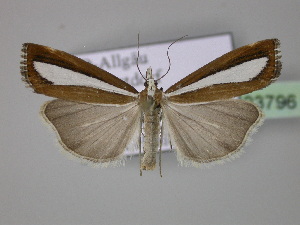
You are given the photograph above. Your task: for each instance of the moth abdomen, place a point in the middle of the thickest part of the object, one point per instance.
(151, 140)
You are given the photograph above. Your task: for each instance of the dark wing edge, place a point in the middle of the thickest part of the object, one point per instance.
(33, 53)
(269, 49)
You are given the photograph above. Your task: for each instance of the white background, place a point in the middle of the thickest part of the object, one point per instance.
(39, 185)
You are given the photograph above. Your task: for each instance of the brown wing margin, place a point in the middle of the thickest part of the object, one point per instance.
(267, 48)
(37, 53)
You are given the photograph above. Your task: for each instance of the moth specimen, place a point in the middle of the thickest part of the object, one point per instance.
(97, 116)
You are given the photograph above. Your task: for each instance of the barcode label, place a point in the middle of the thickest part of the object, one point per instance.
(279, 100)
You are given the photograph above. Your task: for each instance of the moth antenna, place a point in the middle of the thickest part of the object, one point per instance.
(138, 55)
(169, 56)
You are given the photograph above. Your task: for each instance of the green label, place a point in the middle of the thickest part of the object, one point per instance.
(279, 100)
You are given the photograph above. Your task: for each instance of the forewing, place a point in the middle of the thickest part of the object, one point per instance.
(58, 74)
(238, 72)
(212, 131)
(98, 133)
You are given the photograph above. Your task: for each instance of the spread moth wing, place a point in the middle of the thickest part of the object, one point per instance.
(204, 124)
(238, 72)
(212, 131)
(96, 116)
(97, 133)
(61, 75)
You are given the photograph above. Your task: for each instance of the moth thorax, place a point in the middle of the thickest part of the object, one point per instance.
(150, 82)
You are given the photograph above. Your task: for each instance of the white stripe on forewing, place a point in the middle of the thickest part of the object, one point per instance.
(61, 76)
(240, 73)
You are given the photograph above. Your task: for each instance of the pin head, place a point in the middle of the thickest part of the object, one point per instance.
(149, 74)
